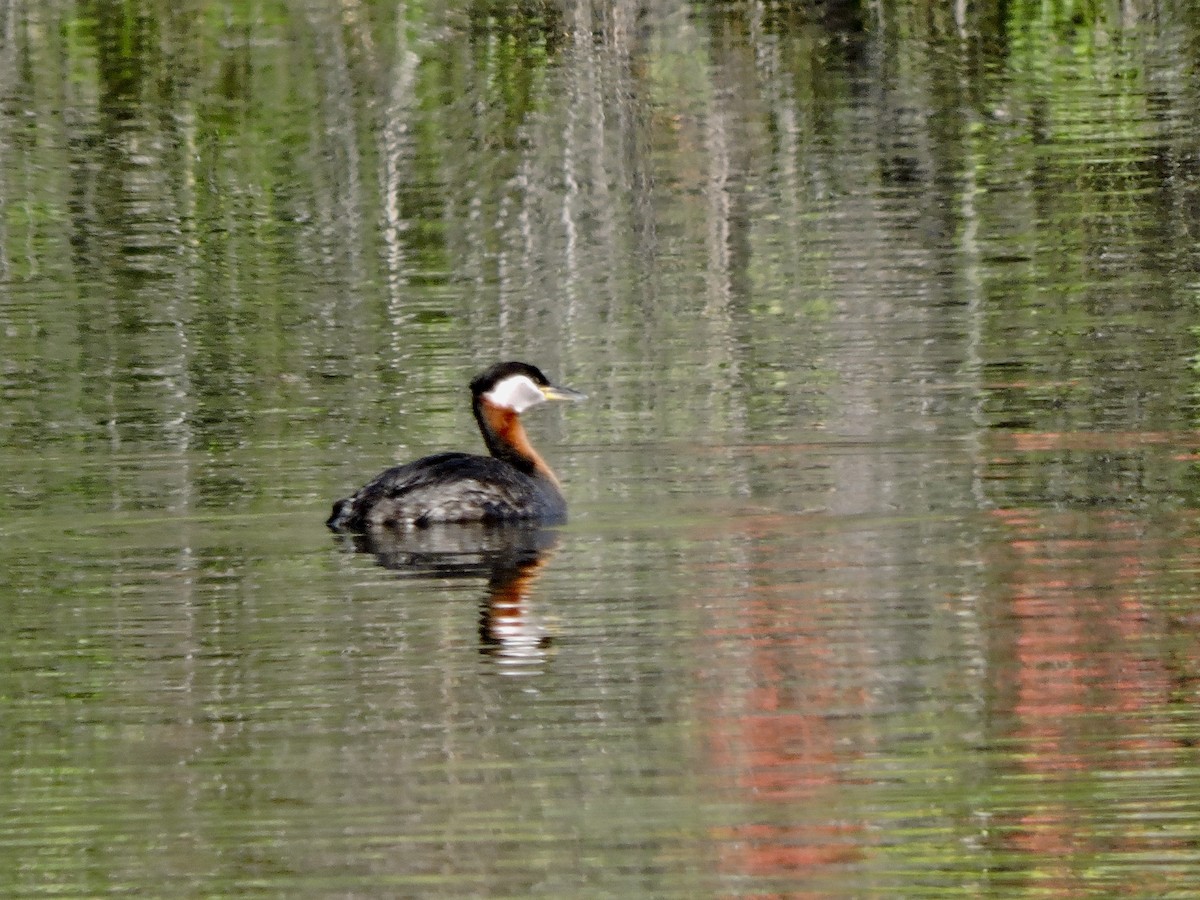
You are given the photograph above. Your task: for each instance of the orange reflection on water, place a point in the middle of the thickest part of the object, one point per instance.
(779, 727)
(1081, 684)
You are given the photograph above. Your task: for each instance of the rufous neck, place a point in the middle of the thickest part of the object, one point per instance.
(506, 439)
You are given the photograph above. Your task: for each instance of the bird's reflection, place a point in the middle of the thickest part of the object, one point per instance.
(510, 557)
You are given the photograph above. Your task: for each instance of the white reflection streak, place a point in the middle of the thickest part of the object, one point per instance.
(187, 567)
(718, 309)
(619, 195)
(8, 66)
(972, 267)
(972, 274)
(395, 158)
(719, 211)
(525, 187)
(580, 71)
(341, 224)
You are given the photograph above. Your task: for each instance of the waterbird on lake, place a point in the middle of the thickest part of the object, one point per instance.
(513, 484)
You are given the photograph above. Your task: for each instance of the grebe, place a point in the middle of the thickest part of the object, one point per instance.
(513, 484)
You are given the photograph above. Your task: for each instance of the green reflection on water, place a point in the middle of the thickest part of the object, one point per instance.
(879, 579)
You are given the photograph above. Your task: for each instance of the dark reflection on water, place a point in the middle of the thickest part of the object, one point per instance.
(507, 557)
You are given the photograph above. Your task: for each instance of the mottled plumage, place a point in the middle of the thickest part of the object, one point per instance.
(513, 484)
(450, 487)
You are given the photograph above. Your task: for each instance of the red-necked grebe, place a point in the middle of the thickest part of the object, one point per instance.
(513, 484)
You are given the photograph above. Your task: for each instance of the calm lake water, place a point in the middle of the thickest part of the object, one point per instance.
(881, 573)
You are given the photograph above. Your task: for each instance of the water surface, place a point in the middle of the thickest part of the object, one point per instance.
(880, 574)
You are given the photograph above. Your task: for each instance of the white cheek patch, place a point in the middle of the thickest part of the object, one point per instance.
(517, 392)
